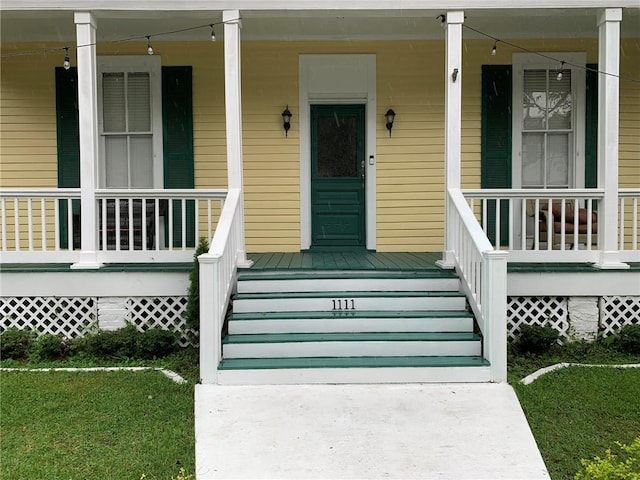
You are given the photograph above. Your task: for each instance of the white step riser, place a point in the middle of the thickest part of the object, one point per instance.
(295, 376)
(350, 285)
(341, 324)
(352, 349)
(327, 304)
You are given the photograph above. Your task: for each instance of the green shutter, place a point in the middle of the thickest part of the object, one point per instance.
(177, 128)
(591, 128)
(68, 145)
(496, 141)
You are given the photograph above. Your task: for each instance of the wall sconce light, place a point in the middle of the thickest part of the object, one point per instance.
(286, 120)
(454, 75)
(390, 117)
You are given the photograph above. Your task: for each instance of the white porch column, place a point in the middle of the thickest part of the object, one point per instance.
(233, 111)
(453, 122)
(608, 132)
(88, 120)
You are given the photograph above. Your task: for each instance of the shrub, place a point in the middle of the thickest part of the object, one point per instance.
(155, 343)
(624, 465)
(109, 343)
(192, 312)
(535, 339)
(48, 347)
(16, 343)
(127, 342)
(628, 339)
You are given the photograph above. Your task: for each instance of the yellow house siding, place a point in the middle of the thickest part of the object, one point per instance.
(28, 120)
(410, 163)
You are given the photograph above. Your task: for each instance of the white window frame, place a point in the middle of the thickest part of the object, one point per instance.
(527, 61)
(129, 64)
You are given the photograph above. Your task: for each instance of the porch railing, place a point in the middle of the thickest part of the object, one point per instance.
(629, 224)
(218, 269)
(483, 274)
(39, 224)
(556, 225)
(45, 225)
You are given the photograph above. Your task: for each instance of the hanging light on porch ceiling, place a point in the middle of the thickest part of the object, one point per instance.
(149, 46)
(67, 61)
(213, 33)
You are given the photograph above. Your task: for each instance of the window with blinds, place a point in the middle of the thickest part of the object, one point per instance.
(127, 129)
(547, 128)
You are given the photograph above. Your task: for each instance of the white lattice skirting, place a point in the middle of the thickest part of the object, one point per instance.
(75, 316)
(569, 316)
(616, 312)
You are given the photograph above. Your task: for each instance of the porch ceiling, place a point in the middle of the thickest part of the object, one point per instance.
(58, 26)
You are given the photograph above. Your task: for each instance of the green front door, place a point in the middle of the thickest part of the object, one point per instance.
(337, 176)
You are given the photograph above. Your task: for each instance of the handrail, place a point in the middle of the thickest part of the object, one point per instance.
(72, 193)
(483, 275)
(519, 193)
(218, 269)
(214, 194)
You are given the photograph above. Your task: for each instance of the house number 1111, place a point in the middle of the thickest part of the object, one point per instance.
(346, 304)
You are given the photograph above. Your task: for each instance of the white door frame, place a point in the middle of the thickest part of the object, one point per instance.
(335, 79)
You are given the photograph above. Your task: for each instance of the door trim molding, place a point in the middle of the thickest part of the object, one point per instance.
(335, 79)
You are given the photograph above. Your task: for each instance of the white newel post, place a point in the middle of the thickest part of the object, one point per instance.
(494, 312)
(210, 332)
(88, 121)
(608, 131)
(453, 122)
(233, 110)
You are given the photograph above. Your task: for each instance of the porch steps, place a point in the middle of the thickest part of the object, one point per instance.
(350, 327)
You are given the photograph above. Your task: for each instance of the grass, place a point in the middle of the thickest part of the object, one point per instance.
(97, 425)
(578, 412)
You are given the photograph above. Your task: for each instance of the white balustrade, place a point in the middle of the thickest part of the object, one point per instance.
(629, 224)
(538, 225)
(35, 227)
(483, 275)
(218, 269)
(43, 225)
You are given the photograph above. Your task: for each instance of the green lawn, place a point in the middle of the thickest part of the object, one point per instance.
(94, 426)
(579, 412)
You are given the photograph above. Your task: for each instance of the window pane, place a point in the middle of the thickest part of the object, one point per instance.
(532, 159)
(116, 164)
(534, 100)
(337, 146)
(558, 160)
(560, 107)
(113, 105)
(141, 161)
(139, 103)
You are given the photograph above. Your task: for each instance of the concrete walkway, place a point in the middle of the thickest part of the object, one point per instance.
(431, 431)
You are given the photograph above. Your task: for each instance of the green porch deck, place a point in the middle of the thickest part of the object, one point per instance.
(345, 260)
(318, 261)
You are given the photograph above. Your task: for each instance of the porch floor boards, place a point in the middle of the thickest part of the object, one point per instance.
(344, 260)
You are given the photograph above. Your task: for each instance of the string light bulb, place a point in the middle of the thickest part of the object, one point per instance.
(149, 46)
(213, 33)
(67, 61)
(559, 76)
(443, 20)
(494, 50)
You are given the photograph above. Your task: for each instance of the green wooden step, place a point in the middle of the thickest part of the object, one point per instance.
(350, 337)
(350, 362)
(252, 296)
(350, 314)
